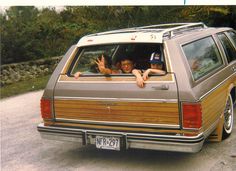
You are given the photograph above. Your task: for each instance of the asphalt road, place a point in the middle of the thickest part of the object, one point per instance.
(23, 149)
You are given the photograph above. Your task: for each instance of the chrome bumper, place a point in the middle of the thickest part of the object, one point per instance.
(129, 140)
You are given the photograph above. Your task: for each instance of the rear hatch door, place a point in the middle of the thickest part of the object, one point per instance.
(117, 100)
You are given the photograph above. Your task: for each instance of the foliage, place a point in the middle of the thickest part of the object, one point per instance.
(18, 28)
(29, 33)
(24, 86)
(211, 15)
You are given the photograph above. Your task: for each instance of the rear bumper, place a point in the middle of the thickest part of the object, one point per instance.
(129, 140)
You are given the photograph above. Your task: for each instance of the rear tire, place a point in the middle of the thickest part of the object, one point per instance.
(228, 118)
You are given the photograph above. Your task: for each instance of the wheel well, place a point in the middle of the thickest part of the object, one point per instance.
(233, 94)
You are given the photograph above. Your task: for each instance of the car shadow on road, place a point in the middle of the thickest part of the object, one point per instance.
(71, 156)
(133, 159)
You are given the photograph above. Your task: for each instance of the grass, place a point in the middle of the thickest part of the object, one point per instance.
(24, 86)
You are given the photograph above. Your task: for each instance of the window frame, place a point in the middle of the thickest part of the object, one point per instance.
(230, 38)
(210, 72)
(77, 56)
(222, 46)
(82, 48)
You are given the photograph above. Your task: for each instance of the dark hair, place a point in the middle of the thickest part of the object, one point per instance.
(123, 58)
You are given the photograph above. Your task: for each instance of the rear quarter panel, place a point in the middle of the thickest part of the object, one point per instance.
(49, 90)
(211, 91)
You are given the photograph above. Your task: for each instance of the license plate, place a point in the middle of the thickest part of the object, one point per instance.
(105, 142)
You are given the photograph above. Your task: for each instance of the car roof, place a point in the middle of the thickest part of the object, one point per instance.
(144, 34)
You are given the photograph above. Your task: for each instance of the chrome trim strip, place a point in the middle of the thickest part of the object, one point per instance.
(115, 82)
(214, 88)
(167, 146)
(69, 59)
(168, 57)
(112, 82)
(76, 62)
(117, 99)
(119, 123)
(133, 140)
(41, 127)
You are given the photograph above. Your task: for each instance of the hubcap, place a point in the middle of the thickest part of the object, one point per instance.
(228, 116)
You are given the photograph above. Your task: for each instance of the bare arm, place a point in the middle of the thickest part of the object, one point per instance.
(101, 66)
(139, 78)
(103, 69)
(153, 71)
(77, 74)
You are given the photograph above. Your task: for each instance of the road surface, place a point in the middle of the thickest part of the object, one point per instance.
(23, 149)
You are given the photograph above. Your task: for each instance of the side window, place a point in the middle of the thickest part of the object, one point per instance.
(203, 56)
(228, 47)
(232, 35)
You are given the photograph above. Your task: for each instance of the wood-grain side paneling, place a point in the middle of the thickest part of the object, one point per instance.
(112, 111)
(213, 104)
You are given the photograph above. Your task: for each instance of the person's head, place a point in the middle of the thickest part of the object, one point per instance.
(155, 61)
(126, 65)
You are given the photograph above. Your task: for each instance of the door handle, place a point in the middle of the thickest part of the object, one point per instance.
(234, 68)
(161, 87)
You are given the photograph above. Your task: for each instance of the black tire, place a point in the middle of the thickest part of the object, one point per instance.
(228, 118)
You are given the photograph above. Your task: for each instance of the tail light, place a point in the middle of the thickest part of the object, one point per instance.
(45, 105)
(192, 115)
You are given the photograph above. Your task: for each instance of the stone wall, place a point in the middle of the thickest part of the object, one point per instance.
(11, 73)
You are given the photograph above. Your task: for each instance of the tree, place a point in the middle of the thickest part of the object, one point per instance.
(211, 15)
(28, 33)
(17, 27)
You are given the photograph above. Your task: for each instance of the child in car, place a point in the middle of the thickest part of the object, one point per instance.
(126, 66)
(156, 66)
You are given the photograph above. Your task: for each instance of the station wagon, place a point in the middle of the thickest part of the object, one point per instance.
(192, 102)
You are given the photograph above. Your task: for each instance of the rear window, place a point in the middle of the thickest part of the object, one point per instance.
(203, 57)
(87, 56)
(85, 59)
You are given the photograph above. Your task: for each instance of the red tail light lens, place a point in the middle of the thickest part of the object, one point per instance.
(192, 115)
(46, 108)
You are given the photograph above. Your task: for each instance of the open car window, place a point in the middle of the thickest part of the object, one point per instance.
(85, 59)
